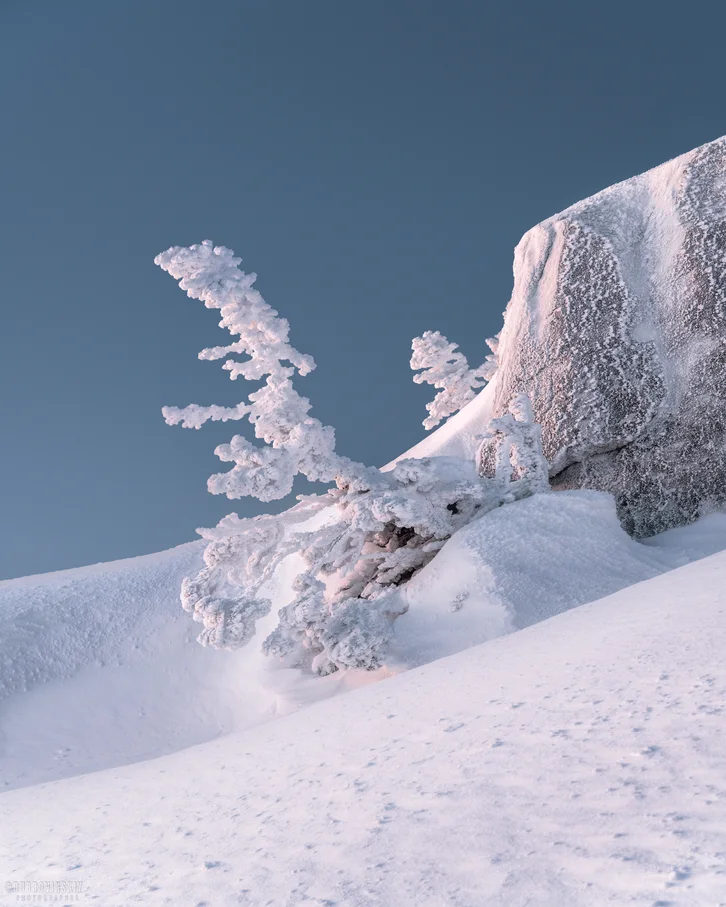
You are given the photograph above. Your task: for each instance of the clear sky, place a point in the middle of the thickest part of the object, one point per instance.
(375, 163)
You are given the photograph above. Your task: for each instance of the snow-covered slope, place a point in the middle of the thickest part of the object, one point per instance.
(529, 561)
(579, 762)
(99, 666)
(460, 435)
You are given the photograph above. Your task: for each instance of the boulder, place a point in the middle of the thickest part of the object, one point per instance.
(617, 330)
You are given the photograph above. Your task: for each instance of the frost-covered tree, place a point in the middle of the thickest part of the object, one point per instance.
(511, 450)
(356, 545)
(448, 370)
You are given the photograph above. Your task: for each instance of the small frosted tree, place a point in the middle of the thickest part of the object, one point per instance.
(383, 528)
(447, 369)
(372, 531)
(511, 451)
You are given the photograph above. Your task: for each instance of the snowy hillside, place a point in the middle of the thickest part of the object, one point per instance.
(100, 667)
(577, 762)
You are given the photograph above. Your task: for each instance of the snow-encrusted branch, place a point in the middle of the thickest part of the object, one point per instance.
(448, 370)
(194, 416)
(299, 443)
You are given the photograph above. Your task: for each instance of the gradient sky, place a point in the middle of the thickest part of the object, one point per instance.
(375, 163)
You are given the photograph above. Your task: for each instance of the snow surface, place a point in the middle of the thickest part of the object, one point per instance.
(522, 755)
(99, 666)
(581, 761)
(528, 561)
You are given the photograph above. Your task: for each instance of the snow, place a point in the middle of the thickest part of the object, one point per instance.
(99, 666)
(460, 435)
(580, 761)
(525, 562)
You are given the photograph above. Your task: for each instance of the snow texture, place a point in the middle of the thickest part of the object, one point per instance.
(99, 666)
(526, 562)
(577, 763)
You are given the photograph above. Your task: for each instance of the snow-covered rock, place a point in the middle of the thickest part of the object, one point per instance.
(617, 330)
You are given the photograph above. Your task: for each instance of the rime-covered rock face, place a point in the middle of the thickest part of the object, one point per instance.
(617, 331)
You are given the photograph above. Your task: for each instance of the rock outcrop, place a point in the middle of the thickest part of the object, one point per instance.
(617, 330)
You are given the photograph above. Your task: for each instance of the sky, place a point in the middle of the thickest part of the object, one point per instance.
(375, 163)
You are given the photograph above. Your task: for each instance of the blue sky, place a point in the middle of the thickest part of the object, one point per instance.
(374, 163)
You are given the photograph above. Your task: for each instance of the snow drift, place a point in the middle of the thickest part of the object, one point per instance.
(577, 762)
(526, 562)
(100, 667)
